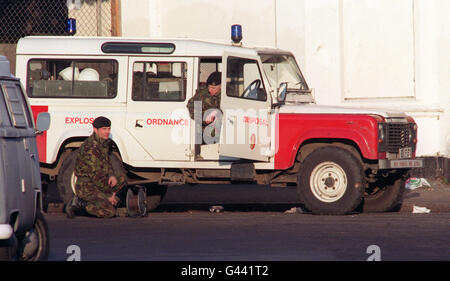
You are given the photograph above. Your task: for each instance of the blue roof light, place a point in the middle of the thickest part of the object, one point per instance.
(71, 26)
(236, 33)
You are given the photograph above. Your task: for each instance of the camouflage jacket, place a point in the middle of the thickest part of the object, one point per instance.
(208, 102)
(93, 164)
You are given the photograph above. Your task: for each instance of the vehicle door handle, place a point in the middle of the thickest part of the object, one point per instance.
(137, 125)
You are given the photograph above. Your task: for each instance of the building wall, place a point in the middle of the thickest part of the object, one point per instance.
(364, 53)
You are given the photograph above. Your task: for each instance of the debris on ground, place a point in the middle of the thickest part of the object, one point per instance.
(413, 183)
(420, 210)
(216, 209)
(294, 210)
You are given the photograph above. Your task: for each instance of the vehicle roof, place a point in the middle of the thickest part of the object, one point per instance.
(69, 45)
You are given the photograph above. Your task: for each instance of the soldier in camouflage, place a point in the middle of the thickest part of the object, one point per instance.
(210, 103)
(97, 184)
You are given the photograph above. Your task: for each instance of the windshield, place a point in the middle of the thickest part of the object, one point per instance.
(282, 68)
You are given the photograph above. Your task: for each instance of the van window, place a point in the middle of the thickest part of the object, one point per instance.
(16, 105)
(50, 78)
(244, 79)
(159, 81)
(4, 117)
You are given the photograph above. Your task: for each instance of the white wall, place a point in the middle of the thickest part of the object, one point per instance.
(135, 18)
(365, 53)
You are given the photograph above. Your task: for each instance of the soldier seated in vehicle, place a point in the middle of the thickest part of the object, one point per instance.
(209, 98)
(97, 183)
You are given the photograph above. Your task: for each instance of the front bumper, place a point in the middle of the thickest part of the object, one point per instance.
(5, 231)
(400, 163)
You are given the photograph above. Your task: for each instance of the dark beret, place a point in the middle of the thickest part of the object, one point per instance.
(214, 79)
(101, 122)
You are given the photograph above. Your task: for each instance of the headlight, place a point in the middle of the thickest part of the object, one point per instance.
(381, 132)
(382, 137)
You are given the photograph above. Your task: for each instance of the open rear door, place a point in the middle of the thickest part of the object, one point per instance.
(245, 103)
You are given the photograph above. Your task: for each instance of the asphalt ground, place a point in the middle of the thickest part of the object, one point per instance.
(250, 197)
(199, 235)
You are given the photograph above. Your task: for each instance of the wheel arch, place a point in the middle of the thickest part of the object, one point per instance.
(310, 145)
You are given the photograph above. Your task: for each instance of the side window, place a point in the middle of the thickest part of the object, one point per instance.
(49, 78)
(159, 81)
(16, 105)
(244, 79)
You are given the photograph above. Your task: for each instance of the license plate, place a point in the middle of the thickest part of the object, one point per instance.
(413, 163)
(405, 152)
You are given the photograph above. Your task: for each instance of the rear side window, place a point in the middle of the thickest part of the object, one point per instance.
(159, 81)
(15, 106)
(49, 78)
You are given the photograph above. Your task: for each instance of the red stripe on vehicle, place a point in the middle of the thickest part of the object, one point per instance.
(41, 140)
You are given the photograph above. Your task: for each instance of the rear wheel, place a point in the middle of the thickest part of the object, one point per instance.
(385, 195)
(331, 181)
(67, 179)
(155, 194)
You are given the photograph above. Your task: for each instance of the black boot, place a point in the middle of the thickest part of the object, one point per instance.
(79, 203)
(76, 204)
(70, 210)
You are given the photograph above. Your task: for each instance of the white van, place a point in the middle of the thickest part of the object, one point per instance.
(271, 130)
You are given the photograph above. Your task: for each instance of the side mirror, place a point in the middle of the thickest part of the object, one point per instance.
(282, 92)
(43, 122)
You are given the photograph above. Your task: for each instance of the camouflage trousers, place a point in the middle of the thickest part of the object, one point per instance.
(97, 203)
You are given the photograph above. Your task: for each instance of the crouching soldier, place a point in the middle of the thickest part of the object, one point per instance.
(96, 184)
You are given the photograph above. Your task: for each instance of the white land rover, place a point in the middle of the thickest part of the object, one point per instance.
(271, 131)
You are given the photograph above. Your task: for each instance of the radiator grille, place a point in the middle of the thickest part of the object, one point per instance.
(398, 137)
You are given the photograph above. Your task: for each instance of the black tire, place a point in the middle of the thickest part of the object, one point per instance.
(331, 181)
(41, 231)
(155, 194)
(385, 195)
(65, 177)
(66, 172)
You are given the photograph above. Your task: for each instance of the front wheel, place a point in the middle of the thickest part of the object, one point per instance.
(331, 181)
(35, 245)
(8, 249)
